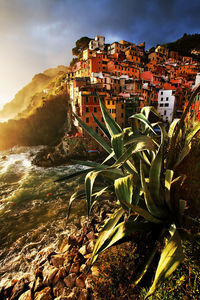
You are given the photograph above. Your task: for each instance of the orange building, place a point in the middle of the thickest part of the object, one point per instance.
(123, 68)
(116, 108)
(188, 70)
(88, 104)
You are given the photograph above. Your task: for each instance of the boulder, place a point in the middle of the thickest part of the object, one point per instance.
(57, 260)
(90, 246)
(70, 280)
(59, 288)
(75, 268)
(80, 281)
(20, 287)
(44, 294)
(83, 250)
(59, 275)
(48, 274)
(84, 295)
(26, 296)
(38, 284)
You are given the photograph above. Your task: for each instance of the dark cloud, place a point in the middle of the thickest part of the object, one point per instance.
(39, 34)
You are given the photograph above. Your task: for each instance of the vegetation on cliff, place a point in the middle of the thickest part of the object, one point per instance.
(31, 94)
(43, 127)
(185, 44)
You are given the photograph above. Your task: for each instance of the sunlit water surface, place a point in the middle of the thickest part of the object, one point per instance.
(32, 209)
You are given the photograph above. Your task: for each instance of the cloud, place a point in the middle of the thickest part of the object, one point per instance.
(39, 34)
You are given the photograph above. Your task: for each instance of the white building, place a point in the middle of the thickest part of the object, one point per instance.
(166, 104)
(197, 81)
(97, 43)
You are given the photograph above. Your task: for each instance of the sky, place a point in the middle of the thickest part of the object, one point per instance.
(38, 34)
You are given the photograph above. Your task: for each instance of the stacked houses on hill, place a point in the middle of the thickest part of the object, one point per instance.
(128, 78)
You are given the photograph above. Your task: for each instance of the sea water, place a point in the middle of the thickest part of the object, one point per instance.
(33, 208)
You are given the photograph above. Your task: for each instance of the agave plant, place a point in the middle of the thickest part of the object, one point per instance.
(142, 177)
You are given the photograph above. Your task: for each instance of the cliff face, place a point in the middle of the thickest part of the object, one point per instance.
(42, 114)
(43, 127)
(31, 94)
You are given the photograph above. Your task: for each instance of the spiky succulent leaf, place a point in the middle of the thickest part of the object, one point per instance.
(170, 258)
(143, 120)
(117, 142)
(148, 109)
(140, 144)
(168, 182)
(124, 190)
(151, 204)
(111, 125)
(93, 134)
(102, 127)
(107, 229)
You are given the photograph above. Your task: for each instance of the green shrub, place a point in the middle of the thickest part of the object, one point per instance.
(143, 177)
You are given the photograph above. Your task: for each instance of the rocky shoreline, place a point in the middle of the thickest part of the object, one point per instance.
(63, 274)
(65, 154)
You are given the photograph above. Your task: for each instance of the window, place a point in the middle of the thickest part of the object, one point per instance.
(95, 99)
(95, 109)
(122, 106)
(161, 99)
(87, 109)
(108, 102)
(167, 98)
(113, 110)
(102, 119)
(86, 99)
(122, 115)
(87, 120)
(166, 104)
(161, 104)
(165, 112)
(161, 93)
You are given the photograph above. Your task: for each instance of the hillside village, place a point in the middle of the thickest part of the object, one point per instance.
(128, 78)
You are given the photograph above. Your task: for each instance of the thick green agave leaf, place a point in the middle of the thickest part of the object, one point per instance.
(151, 205)
(78, 173)
(76, 196)
(102, 127)
(111, 155)
(107, 229)
(184, 152)
(194, 131)
(93, 134)
(168, 182)
(142, 269)
(117, 142)
(90, 179)
(172, 127)
(170, 258)
(117, 232)
(147, 109)
(92, 164)
(135, 127)
(155, 173)
(89, 182)
(124, 190)
(111, 125)
(144, 120)
(144, 144)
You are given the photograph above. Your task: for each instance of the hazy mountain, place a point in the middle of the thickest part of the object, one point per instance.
(31, 94)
